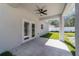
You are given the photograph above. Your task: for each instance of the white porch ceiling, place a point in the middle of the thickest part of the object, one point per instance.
(53, 8)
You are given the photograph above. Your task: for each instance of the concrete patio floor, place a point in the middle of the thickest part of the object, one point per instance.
(42, 47)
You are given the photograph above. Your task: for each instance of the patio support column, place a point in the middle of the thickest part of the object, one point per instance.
(61, 28)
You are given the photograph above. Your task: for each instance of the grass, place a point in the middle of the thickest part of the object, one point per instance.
(70, 45)
(6, 53)
(52, 35)
(69, 34)
(55, 36)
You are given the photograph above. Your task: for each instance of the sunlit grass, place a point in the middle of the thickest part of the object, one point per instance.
(69, 45)
(52, 35)
(55, 36)
(69, 34)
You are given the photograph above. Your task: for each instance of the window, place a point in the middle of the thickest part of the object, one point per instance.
(33, 30)
(26, 28)
(41, 26)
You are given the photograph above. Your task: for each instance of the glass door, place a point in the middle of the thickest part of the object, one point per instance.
(33, 30)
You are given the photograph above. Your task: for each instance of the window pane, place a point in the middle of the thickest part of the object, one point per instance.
(33, 30)
(26, 27)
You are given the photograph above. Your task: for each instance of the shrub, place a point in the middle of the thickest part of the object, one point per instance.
(6, 53)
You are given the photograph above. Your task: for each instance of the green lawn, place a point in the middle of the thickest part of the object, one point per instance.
(52, 35)
(69, 34)
(55, 36)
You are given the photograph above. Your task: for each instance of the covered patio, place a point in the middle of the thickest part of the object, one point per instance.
(30, 43)
(43, 46)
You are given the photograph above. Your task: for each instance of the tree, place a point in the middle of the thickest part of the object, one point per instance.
(70, 22)
(54, 22)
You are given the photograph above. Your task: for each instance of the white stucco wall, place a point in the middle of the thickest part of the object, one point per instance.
(45, 28)
(11, 26)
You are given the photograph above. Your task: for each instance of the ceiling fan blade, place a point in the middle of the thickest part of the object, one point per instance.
(45, 11)
(41, 10)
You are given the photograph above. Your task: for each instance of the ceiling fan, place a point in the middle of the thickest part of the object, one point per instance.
(41, 11)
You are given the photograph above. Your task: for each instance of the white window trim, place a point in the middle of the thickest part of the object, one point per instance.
(25, 20)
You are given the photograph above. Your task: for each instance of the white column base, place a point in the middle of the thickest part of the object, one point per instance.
(62, 40)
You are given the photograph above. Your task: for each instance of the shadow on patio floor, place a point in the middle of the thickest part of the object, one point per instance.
(38, 47)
